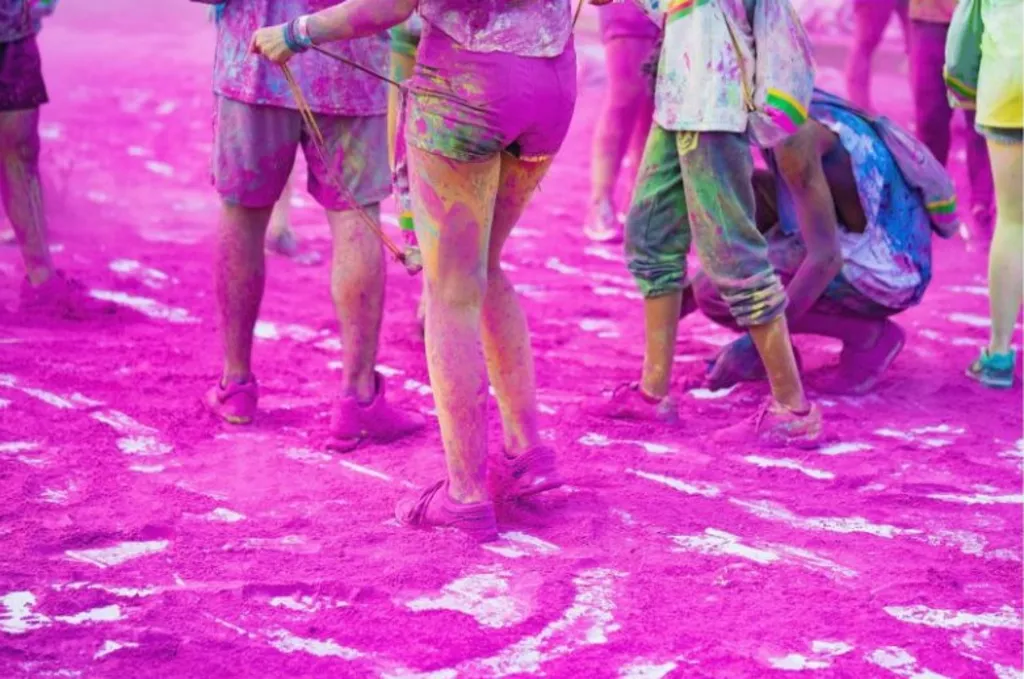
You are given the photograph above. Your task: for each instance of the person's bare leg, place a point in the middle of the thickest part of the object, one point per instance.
(871, 18)
(506, 337)
(401, 68)
(21, 190)
(240, 274)
(281, 239)
(1005, 267)
(776, 349)
(357, 288)
(453, 204)
(661, 323)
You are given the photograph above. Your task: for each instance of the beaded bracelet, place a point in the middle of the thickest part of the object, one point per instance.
(296, 35)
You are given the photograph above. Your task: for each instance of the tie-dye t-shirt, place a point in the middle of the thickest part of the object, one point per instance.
(699, 85)
(16, 21)
(330, 87)
(891, 262)
(935, 11)
(527, 28)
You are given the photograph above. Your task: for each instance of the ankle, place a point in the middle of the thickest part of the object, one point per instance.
(39, 275)
(465, 495)
(362, 387)
(799, 408)
(654, 389)
(235, 376)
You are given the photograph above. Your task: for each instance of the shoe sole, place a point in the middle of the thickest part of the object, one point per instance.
(988, 383)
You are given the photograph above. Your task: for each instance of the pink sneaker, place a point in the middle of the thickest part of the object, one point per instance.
(63, 297)
(234, 403)
(530, 473)
(602, 225)
(435, 507)
(775, 426)
(352, 423)
(629, 402)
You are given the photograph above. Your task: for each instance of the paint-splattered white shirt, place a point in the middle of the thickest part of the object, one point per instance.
(527, 28)
(699, 85)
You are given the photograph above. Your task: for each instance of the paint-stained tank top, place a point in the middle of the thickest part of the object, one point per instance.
(527, 28)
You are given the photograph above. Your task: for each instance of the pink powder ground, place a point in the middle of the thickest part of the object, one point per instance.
(139, 539)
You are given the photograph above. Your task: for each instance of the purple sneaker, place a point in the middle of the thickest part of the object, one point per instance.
(434, 506)
(774, 426)
(352, 423)
(629, 402)
(861, 370)
(530, 473)
(234, 403)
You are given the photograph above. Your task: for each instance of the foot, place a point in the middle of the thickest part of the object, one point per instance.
(352, 422)
(602, 225)
(629, 402)
(62, 297)
(283, 242)
(434, 507)
(775, 426)
(994, 370)
(235, 403)
(530, 473)
(860, 370)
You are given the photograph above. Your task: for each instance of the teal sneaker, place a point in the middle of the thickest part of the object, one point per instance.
(994, 370)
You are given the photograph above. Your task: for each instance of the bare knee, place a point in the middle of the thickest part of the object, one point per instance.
(464, 291)
(20, 143)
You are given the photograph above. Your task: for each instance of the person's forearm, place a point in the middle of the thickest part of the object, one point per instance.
(815, 213)
(358, 19)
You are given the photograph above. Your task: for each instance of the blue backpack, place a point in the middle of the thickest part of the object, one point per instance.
(919, 168)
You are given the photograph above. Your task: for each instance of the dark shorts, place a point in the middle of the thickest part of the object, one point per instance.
(21, 75)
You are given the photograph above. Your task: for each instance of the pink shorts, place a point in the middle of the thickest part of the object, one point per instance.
(254, 151)
(625, 20)
(469, 106)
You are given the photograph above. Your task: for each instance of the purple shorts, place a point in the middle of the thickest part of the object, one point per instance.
(254, 151)
(21, 75)
(625, 20)
(469, 106)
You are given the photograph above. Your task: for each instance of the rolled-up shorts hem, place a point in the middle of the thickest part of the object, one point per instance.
(1001, 135)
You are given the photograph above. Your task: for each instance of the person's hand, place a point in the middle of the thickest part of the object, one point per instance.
(737, 362)
(270, 43)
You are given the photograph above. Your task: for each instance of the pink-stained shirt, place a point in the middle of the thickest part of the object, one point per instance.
(330, 87)
(526, 28)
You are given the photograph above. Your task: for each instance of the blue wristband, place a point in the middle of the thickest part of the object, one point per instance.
(291, 38)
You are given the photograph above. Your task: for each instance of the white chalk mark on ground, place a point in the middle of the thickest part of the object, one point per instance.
(588, 621)
(517, 545)
(152, 278)
(708, 395)
(117, 554)
(713, 542)
(602, 441)
(1004, 618)
(17, 616)
(146, 306)
(833, 524)
(641, 669)
(485, 596)
(306, 604)
(418, 387)
(978, 499)
(971, 320)
(784, 463)
(105, 614)
(845, 448)
(112, 647)
(820, 657)
(695, 488)
(224, 515)
(286, 642)
(901, 663)
(11, 447)
(360, 469)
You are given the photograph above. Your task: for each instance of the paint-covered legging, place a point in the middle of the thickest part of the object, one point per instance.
(697, 187)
